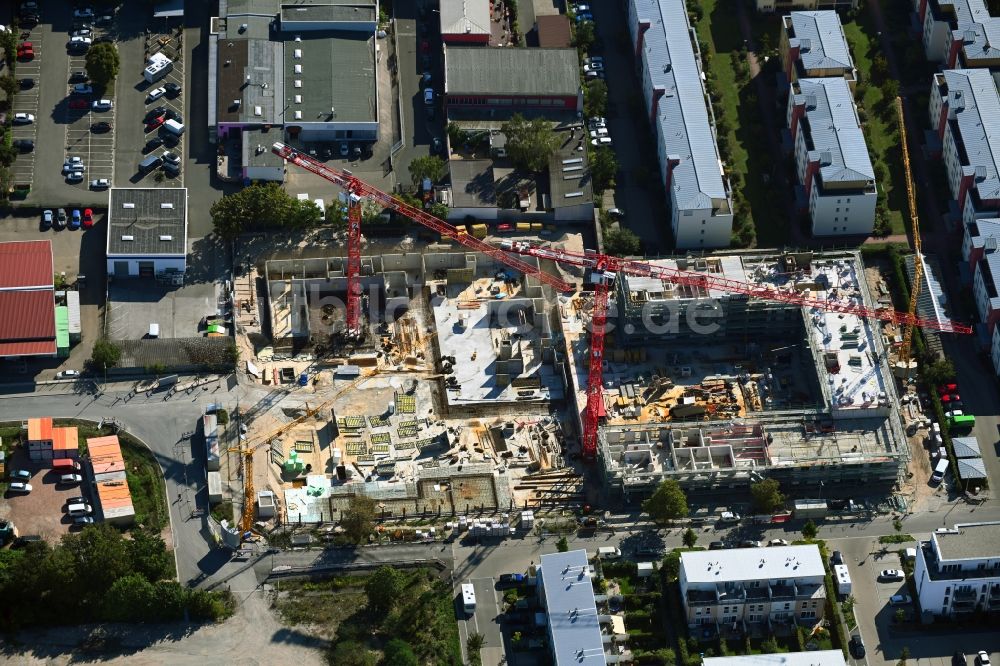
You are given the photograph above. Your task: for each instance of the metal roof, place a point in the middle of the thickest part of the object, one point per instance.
(26, 264)
(822, 44)
(815, 658)
(966, 447)
(972, 95)
(27, 322)
(329, 76)
(974, 26)
(971, 468)
(570, 182)
(833, 127)
(475, 70)
(682, 116)
(572, 611)
(329, 11)
(980, 230)
(147, 222)
(747, 564)
(465, 17)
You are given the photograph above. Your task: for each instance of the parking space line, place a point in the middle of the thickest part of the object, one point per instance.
(24, 165)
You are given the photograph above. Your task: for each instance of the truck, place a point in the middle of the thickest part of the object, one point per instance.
(843, 577)
(468, 598)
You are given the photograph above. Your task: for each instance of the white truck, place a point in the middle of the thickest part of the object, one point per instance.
(468, 598)
(843, 577)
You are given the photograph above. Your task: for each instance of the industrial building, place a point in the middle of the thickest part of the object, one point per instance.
(700, 200)
(958, 33)
(147, 232)
(506, 81)
(753, 588)
(831, 157)
(716, 389)
(813, 45)
(466, 22)
(27, 299)
(957, 571)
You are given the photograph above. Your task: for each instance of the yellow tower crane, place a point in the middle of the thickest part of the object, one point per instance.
(904, 365)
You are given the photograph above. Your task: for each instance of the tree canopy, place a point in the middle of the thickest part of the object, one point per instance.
(428, 166)
(383, 589)
(530, 143)
(103, 63)
(358, 520)
(261, 206)
(690, 538)
(603, 167)
(105, 354)
(621, 242)
(767, 496)
(595, 98)
(668, 502)
(399, 653)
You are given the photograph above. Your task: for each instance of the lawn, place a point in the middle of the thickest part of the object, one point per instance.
(884, 140)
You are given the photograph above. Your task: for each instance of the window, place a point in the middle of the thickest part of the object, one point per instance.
(787, 606)
(806, 615)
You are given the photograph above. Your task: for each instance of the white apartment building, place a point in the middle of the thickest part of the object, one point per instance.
(964, 111)
(958, 572)
(959, 33)
(831, 157)
(782, 584)
(813, 45)
(700, 201)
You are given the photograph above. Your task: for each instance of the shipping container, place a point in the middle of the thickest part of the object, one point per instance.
(478, 230)
(523, 227)
(65, 464)
(73, 305)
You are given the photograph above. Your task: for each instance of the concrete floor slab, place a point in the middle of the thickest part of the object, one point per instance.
(134, 304)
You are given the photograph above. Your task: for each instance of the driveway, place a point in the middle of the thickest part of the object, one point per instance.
(484, 621)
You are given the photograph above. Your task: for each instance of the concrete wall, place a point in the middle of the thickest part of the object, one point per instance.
(160, 265)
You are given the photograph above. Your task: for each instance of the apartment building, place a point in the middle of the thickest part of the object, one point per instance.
(957, 572)
(769, 6)
(959, 33)
(831, 157)
(986, 289)
(964, 113)
(978, 238)
(759, 586)
(700, 201)
(813, 45)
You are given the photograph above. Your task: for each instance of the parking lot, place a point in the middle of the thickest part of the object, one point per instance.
(485, 620)
(43, 510)
(27, 100)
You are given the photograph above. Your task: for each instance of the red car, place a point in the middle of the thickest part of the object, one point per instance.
(88, 218)
(947, 388)
(78, 103)
(155, 122)
(26, 51)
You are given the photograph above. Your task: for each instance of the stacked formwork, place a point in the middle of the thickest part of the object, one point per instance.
(489, 528)
(527, 520)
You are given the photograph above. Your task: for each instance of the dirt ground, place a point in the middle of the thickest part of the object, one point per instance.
(43, 510)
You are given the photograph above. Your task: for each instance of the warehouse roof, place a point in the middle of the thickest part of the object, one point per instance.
(328, 11)
(972, 94)
(329, 76)
(27, 323)
(683, 123)
(822, 44)
(475, 70)
(554, 31)
(147, 221)
(26, 265)
(832, 127)
(465, 17)
(572, 610)
(570, 182)
(472, 183)
(743, 564)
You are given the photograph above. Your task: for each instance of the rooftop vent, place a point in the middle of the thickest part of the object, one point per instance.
(258, 111)
(128, 204)
(166, 237)
(298, 83)
(298, 115)
(166, 204)
(128, 238)
(243, 27)
(297, 54)
(298, 99)
(298, 69)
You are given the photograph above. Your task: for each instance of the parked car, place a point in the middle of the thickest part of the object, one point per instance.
(83, 520)
(750, 543)
(716, 545)
(100, 184)
(900, 599)
(19, 487)
(172, 158)
(74, 177)
(154, 123)
(46, 219)
(856, 647)
(78, 77)
(73, 163)
(428, 96)
(173, 89)
(68, 374)
(83, 89)
(584, 17)
(601, 142)
(76, 500)
(24, 145)
(947, 388)
(891, 574)
(20, 475)
(70, 479)
(510, 580)
(26, 51)
(78, 103)
(80, 43)
(60, 218)
(170, 140)
(102, 105)
(152, 144)
(101, 127)
(436, 146)
(171, 114)
(172, 169)
(23, 118)
(983, 658)
(106, 19)
(81, 32)
(958, 659)
(837, 557)
(156, 94)
(27, 83)
(83, 13)
(595, 65)
(75, 220)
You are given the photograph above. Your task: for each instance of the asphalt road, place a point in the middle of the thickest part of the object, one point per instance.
(417, 129)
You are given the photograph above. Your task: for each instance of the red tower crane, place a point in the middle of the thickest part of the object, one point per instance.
(603, 265)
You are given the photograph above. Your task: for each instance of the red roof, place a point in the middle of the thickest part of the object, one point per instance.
(27, 316)
(45, 348)
(26, 264)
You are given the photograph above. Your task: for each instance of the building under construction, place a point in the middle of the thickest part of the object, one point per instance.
(719, 389)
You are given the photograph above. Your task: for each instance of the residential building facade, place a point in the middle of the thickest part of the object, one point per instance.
(985, 290)
(756, 586)
(959, 33)
(813, 45)
(957, 572)
(831, 157)
(770, 6)
(700, 200)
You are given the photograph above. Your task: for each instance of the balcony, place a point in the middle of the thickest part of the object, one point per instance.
(701, 598)
(782, 592)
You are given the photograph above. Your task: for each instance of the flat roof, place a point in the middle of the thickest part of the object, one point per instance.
(814, 658)
(743, 564)
(554, 31)
(683, 122)
(147, 221)
(242, 8)
(822, 44)
(970, 541)
(472, 183)
(40, 429)
(329, 76)
(572, 610)
(974, 92)
(257, 148)
(465, 17)
(570, 181)
(474, 70)
(329, 11)
(832, 126)
(26, 265)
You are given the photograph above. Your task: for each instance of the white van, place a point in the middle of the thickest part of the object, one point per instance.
(608, 553)
(939, 471)
(174, 127)
(468, 598)
(80, 509)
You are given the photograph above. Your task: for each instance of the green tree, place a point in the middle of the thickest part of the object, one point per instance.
(939, 372)
(149, 556)
(9, 86)
(880, 68)
(809, 530)
(383, 589)
(585, 36)
(562, 545)
(428, 166)
(890, 90)
(690, 538)
(8, 40)
(358, 520)
(621, 242)
(399, 653)
(130, 599)
(7, 154)
(475, 642)
(103, 63)
(595, 98)
(767, 497)
(456, 135)
(603, 167)
(336, 215)
(106, 354)
(351, 653)
(667, 503)
(260, 206)
(530, 143)
(671, 568)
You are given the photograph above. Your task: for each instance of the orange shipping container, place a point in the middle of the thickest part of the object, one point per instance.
(65, 439)
(40, 430)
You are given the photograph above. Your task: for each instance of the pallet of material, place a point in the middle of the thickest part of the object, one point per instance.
(356, 449)
(381, 438)
(378, 422)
